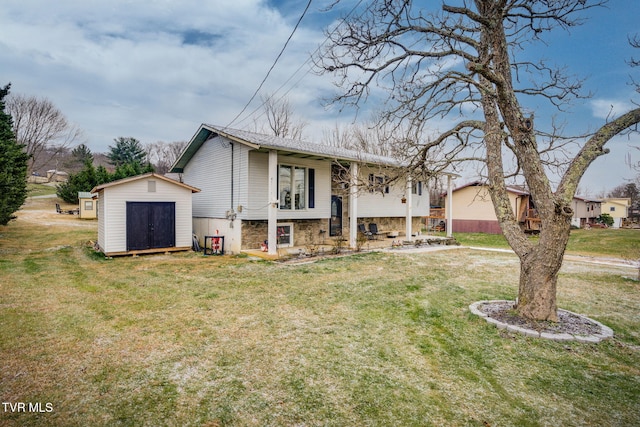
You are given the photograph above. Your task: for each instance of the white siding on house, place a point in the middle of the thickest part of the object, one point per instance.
(210, 169)
(102, 227)
(112, 229)
(377, 204)
(210, 226)
(258, 190)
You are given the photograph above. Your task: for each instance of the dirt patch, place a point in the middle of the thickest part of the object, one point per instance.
(42, 217)
(50, 217)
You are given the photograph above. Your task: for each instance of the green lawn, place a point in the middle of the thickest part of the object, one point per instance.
(40, 190)
(374, 339)
(609, 242)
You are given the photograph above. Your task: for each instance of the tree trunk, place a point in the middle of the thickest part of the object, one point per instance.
(539, 272)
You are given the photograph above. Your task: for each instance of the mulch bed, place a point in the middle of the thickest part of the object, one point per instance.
(568, 322)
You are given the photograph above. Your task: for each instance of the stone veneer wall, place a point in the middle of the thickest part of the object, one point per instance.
(394, 224)
(308, 231)
(305, 231)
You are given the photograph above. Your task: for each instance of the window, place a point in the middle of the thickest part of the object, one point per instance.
(285, 234)
(612, 209)
(416, 188)
(88, 205)
(296, 187)
(151, 186)
(377, 183)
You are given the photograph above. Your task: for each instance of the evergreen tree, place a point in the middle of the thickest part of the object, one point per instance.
(84, 180)
(13, 166)
(126, 151)
(82, 153)
(103, 175)
(90, 176)
(78, 158)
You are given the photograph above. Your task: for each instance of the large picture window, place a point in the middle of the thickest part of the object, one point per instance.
(295, 187)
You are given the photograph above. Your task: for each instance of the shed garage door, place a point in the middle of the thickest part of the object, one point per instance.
(151, 225)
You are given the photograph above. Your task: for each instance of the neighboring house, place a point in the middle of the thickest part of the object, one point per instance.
(55, 175)
(257, 188)
(585, 211)
(618, 208)
(144, 214)
(473, 211)
(88, 209)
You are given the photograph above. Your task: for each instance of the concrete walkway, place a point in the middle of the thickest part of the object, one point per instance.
(613, 262)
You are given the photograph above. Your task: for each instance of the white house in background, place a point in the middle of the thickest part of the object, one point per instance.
(144, 214)
(585, 211)
(257, 188)
(618, 208)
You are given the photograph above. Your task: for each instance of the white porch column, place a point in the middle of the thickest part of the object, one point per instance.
(427, 185)
(449, 209)
(272, 217)
(353, 205)
(409, 215)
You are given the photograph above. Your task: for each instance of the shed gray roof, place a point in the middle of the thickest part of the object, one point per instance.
(154, 175)
(268, 142)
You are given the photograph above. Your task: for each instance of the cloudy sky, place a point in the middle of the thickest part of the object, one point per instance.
(156, 69)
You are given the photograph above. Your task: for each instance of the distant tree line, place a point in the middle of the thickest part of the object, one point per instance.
(128, 157)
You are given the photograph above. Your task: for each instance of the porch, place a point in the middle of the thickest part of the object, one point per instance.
(337, 246)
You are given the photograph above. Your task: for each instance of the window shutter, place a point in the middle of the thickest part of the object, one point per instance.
(312, 188)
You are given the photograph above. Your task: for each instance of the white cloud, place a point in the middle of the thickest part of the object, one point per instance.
(153, 69)
(609, 108)
(156, 69)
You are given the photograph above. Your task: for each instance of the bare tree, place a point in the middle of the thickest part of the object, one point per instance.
(462, 63)
(634, 62)
(42, 128)
(280, 119)
(366, 141)
(164, 154)
(366, 137)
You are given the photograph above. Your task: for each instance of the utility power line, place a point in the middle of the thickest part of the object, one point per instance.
(260, 108)
(273, 65)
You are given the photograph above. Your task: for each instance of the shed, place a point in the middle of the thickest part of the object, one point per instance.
(144, 214)
(88, 206)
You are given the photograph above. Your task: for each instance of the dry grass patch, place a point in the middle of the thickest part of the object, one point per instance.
(371, 339)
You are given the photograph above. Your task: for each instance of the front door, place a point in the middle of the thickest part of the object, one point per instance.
(335, 222)
(151, 225)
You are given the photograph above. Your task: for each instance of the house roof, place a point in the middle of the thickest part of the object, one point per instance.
(263, 142)
(587, 199)
(143, 176)
(85, 195)
(516, 189)
(622, 201)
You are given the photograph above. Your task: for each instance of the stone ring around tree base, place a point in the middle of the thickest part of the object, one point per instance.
(570, 326)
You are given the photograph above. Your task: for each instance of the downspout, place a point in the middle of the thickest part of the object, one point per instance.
(231, 213)
(232, 150)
